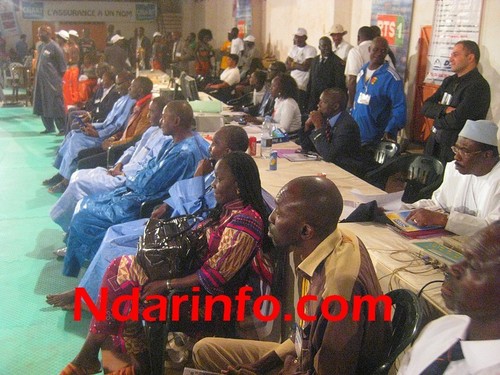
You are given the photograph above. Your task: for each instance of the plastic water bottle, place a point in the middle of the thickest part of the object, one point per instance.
(266, 139)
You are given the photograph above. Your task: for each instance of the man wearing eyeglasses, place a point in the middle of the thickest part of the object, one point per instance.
(464, 342)
(462, 96)
(469, 197)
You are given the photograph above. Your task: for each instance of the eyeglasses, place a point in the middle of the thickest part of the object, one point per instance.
(463, 151)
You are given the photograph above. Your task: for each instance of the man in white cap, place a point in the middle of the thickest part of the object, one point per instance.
(340, 47)
(158, 52)
(298, 63)
(250, 52)
(62, 38)
(469, 197)
(116, 54)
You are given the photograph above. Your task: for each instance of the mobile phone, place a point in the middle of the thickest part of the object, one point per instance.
(80, 121)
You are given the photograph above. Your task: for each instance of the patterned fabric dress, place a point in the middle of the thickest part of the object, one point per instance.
(234, 243)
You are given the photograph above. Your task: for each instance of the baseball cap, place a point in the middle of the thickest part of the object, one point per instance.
(301, 32)
(115, 38)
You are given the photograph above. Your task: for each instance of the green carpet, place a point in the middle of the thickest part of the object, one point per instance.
(35, 337)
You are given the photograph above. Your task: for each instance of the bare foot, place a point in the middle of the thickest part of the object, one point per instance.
(61, 299)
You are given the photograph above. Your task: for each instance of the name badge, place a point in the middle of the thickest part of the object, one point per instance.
(364, 99)
(446, 99)
(298, 341)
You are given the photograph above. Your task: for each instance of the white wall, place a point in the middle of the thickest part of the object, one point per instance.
(282, 17)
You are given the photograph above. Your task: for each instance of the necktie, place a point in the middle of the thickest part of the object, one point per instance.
(328, 131)
(454, 353)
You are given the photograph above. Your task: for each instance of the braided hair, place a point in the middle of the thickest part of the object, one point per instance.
(247, 177)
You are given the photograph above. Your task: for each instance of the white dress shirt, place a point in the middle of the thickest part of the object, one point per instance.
(342, 50)
(287, 114)
(481, 357)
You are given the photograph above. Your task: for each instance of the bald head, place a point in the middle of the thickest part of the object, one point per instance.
(45, 28)
(326, 40)
(378, 51)
(478, 275)
(486, 243)
(332, 101)
(317, 199)
(183, 110)
(235, 138)
(44, 33)
(145, 83)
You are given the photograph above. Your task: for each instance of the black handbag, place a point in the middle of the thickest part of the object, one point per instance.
(171, 248)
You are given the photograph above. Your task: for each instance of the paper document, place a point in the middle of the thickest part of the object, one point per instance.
(192, 371)
(389, 202)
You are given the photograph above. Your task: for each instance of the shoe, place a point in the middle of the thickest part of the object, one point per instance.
(60, 252)
(47, 131)
(53, 180)
(61, 133)
(59, 187)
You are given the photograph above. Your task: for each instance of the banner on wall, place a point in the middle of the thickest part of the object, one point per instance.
(88, 11)
(8, 22)
(243, 16)
(454, 20)
(394, 19)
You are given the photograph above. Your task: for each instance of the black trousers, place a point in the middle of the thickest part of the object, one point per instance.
(50, 123)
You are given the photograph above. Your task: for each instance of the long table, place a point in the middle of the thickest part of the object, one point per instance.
(396, 264)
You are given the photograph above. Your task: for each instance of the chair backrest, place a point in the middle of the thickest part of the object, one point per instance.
(425, 174)
(18, 73)
(385, 151)
(425, 169)
(406, 322)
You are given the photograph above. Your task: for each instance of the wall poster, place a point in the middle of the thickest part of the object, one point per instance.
(454, 20)
(394, 19)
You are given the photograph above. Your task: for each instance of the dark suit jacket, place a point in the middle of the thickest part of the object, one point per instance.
(146, 44)
(344, 148)
(322, 76)
(101, 108)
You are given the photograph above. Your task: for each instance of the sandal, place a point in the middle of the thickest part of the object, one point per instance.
(59, 188)
(53, 180)
(129, 370)
(72, 369)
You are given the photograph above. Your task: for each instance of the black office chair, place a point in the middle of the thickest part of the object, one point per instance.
(385, 151)
(406, 323)
(422, 175)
